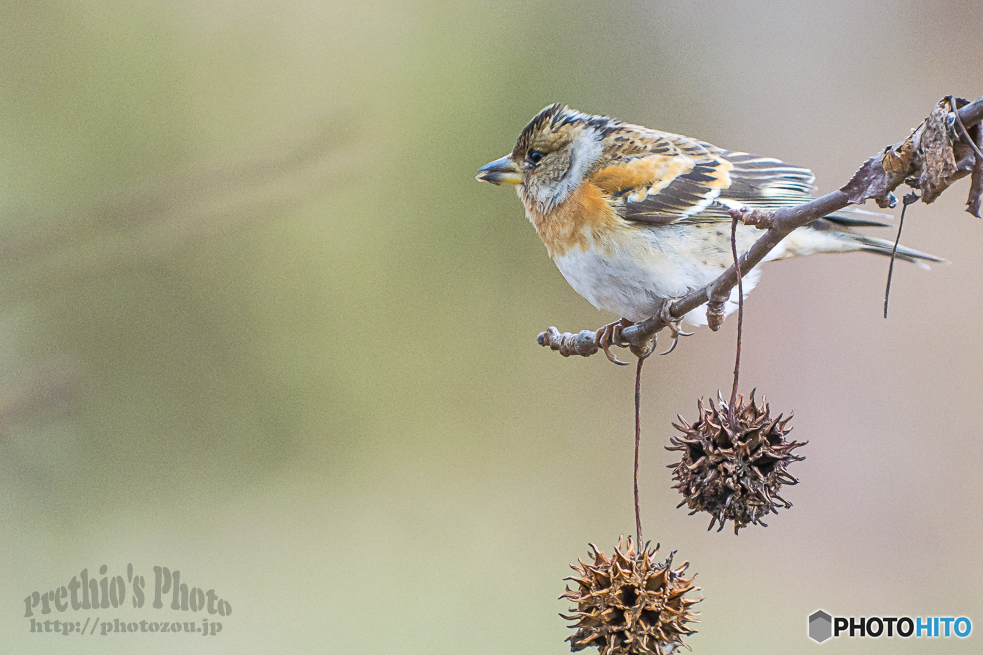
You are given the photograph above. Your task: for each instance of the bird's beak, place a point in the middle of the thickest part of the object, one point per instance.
(500, 171)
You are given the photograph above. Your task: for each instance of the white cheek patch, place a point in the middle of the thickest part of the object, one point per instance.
(584, 151)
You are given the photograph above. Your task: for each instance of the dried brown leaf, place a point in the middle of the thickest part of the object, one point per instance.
(934, 151)
(899, 159)
(872, 181)
(929, 159)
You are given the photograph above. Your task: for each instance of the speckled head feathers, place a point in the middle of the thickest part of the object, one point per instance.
(552, 119)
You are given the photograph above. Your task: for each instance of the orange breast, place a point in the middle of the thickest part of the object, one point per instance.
(584, 219)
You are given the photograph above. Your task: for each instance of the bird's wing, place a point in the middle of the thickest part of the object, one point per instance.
(665, 178)
(679, 179)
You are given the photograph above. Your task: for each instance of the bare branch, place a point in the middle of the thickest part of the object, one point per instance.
(920, 160)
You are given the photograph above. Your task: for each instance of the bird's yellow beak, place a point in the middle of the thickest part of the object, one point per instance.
(500, 171)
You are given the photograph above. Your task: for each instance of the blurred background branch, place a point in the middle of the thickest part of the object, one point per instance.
(149, 220)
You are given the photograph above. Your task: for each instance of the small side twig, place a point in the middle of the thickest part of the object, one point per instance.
(965, 133)
(740, 321)
(638, 438)
(907, 200)
(974, 138)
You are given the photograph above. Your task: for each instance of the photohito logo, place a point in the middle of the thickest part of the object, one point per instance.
(822, 626)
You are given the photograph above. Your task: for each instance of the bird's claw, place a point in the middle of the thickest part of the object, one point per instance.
(610, 335)
(672, 323)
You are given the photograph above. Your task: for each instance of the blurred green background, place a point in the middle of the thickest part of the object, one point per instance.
(259, 323)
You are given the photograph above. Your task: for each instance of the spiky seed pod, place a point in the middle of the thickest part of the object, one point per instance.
(630, 603)
(734, 472)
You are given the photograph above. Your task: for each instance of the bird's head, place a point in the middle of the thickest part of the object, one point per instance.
(552, 156)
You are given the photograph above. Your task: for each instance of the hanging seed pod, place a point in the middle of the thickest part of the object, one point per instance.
(630, 603)
(734, 471)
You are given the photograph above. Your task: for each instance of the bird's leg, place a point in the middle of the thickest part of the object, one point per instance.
(610, 335)
(672, 323)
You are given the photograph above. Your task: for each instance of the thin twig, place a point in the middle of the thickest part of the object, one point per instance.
(638, 438)
(740, 320)
(908, 199)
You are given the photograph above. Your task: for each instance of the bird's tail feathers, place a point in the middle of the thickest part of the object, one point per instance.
(857, 217)
(840, 237)
(885, 247)
(824, 236)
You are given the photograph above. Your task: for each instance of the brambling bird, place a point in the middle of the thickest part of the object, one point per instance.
(635, 217)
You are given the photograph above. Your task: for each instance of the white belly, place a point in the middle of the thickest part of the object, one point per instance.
(631, 278)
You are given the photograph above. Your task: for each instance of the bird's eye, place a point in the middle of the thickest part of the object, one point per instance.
(535, 156)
